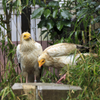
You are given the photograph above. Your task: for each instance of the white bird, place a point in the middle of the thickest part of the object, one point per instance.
(27, 53)
(60, 55)
(56, 53)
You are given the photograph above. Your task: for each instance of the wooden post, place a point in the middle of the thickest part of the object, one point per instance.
(30, 91)
(46, 91)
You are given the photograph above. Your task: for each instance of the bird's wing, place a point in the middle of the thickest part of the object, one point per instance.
(38, 72)
(38, 48)
(18, 55)
(61, 49)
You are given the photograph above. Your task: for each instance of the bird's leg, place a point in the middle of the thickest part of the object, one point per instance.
(34, 78)
(27, 78)
(19, 70)
(63, 77)
(21, 78)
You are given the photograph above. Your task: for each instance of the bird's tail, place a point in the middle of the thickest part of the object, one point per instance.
(82, 48)
(90, 54)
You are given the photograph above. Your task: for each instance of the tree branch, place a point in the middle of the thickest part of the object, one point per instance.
(10, 11)
(4, 21)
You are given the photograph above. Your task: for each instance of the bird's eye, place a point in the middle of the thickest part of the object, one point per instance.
(43, 61)
(24, 35)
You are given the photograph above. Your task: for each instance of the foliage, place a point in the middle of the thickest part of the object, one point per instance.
(55, 19)
(62, 27)
(86, 75)
(8, 72)
(68, 21)
(88, 15)
(49, 76)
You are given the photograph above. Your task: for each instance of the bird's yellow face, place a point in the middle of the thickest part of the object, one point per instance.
(27, 36)
(41, 62)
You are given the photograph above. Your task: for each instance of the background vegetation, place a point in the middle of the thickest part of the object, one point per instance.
(75, 21)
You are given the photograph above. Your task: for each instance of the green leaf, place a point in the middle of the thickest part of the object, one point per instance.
(76, 37)
(50, 24)
(95, 20)
(27, 2)
(47, 13)
(68, 24)
(38, 12)
(53, 3)
(97, 8)
(82, 12)
(34, 2)
(46, 35)
(55, 13)
(59, 25)
(41, 23)
(44, 1)
(65, 14)
(69, 39)
(19, 6)
(4, 5)
(43, 32)
(93, 3)
(2, 24)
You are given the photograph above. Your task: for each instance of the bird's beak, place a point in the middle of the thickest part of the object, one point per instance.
(40, 65)
(41, 62)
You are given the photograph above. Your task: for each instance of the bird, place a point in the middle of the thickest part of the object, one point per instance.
(27, 54)
(60, 55)
(58, 50)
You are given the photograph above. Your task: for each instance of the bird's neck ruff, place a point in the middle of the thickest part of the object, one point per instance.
(48, 59)
(27, 46)
(42, 56)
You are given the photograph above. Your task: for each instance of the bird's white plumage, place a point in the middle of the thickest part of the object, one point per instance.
(60, 49)
(70, 59)
(18, 53)
(27, 53)
(59, 55)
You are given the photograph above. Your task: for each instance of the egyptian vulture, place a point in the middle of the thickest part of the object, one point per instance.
(60, 55)
(27, 53)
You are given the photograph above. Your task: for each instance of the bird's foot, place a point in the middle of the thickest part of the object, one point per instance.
(35, 79)
(59, 82)
(63, 77)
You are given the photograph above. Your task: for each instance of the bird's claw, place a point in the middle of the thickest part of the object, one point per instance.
(63, 77)
(35, 81)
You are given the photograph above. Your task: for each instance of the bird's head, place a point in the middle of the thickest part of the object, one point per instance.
(26, 36)
(41, 59)
(41, 62)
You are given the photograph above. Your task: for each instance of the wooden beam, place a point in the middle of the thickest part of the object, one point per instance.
(46, 91)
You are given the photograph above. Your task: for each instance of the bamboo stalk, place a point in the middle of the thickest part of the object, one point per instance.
(90, 38)
(83, 37)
